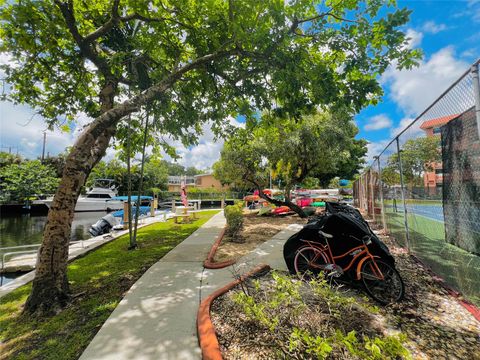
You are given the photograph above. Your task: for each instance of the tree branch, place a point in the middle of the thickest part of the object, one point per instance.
(105, 28)
(297, 22)
(276, 202)
(85, 48)
(112, 116)
(154, 19)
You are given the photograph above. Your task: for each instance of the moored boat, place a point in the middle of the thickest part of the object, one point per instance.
(102, 195)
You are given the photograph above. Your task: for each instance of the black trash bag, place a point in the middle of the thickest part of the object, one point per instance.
(347, 231)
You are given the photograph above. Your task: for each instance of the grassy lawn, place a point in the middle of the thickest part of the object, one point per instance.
(99, 280)
(456, 266)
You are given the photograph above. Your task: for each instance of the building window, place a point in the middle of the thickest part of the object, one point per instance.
(437, 130)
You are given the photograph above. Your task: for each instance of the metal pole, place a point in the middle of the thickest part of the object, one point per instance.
(407, 233)
(476, 94)
(381, 193)
(43, 148)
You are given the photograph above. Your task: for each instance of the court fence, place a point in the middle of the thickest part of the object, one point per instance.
(423, 188)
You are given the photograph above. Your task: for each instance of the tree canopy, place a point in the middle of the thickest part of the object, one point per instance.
(21, 181)
(418, 155)
(231, 56)
(186, 63)
(289, 150)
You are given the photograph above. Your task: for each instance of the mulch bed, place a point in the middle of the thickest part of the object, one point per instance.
(439, 325)
(436, 325)
(255, 231)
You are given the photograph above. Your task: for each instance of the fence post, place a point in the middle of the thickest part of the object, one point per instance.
(407, 233)
(372, 193)
(360, 191)
(384, 223)
(476, 93)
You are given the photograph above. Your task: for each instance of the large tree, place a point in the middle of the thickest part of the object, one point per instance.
(418, 156)
(185, 62)
(348, 166)
(290, 150)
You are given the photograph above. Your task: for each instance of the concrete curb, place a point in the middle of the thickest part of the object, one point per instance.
(209, 263)
(205, 330)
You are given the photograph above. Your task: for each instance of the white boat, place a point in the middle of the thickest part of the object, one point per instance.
(100, 197)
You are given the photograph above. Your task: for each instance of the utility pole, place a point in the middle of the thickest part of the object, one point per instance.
(43, 148)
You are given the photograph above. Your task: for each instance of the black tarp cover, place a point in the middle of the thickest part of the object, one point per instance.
(343, 227)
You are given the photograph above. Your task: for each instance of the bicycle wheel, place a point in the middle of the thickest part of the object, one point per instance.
(386, 291)
(310, 259)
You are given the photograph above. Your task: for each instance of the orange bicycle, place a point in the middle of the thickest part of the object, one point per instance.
(380, 279)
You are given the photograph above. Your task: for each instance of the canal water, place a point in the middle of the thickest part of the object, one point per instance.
(26, 229)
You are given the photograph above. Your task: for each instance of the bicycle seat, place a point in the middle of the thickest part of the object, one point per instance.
(324, 234)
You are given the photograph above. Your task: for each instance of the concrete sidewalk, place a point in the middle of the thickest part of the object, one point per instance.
(157, 317)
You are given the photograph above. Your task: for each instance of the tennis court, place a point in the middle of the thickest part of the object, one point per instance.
(431, 210)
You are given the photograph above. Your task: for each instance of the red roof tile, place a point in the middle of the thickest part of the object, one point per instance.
(438, 121)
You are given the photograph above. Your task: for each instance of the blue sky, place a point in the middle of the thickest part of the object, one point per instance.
(447, 31)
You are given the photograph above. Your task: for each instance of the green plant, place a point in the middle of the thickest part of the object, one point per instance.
(234, 217)
(21, 181)
(312, 319)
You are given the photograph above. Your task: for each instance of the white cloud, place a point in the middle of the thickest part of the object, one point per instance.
(412, 132)
(413, 90)
(377, 122)
(207, 152)
(414, 38)
(24, 133)
(433, 28)
(21, 132)
(471, 53)
(472, 11)
(374, 149)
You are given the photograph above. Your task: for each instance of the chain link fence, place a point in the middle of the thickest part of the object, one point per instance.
(424, 187)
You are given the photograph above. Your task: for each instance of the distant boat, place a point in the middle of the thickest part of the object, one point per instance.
(100, 197)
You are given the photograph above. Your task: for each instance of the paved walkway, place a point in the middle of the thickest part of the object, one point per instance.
(157, 317)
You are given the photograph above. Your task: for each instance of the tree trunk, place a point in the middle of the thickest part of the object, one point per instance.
(50, 290)
(287, 202)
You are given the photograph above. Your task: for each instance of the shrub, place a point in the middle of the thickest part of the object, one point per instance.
(234, 216)
(314, 320)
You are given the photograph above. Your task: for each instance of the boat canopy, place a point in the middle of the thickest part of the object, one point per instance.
(132, 198)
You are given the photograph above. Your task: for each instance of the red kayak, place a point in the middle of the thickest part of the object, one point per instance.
(281, 210)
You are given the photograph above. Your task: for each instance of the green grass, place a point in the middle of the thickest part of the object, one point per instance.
(457, 267)
(100, 279)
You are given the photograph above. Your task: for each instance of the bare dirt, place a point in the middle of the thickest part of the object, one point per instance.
(256, 230)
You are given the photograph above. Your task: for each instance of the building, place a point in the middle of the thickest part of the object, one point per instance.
(202, 181)
(175, 182)
(208, 181)
(434, 178)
